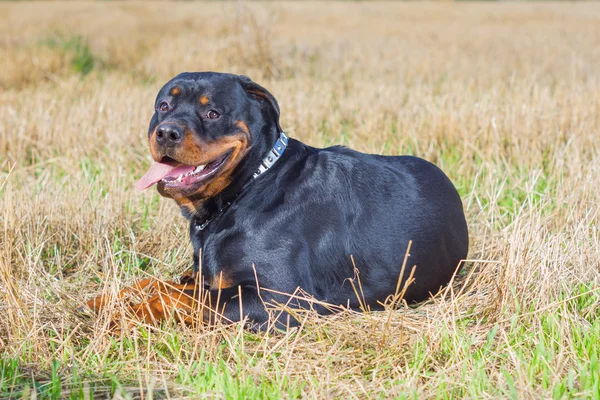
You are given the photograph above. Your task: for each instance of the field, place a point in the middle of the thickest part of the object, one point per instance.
(504, 97)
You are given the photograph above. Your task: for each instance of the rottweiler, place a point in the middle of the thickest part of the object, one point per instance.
(275, 221)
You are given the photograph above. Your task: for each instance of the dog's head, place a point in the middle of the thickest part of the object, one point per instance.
(208, 131)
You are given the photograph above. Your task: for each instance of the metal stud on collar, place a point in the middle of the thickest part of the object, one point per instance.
(273, 155)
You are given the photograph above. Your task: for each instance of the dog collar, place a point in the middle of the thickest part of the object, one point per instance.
(273, 155)
(271, 158)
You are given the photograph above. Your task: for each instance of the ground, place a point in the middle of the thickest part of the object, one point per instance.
(504, 97)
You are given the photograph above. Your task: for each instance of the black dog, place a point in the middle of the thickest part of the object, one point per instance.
(277, 214)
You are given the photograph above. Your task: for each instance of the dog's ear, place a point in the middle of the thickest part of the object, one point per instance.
(262, 95)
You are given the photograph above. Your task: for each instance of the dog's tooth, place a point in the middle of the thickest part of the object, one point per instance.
(199, 168)
(179, 178)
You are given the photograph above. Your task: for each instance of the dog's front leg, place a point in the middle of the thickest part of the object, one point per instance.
(140, 289)
(181, 300)
(191, 304)
(136, 290)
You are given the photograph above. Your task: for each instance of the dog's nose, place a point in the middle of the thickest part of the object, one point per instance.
(169, 135)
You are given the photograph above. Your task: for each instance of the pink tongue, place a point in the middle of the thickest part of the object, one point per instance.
(160, 171)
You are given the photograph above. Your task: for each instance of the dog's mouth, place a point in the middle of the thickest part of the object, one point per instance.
(174, 175)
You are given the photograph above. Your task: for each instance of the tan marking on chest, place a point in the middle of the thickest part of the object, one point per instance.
(221, 282)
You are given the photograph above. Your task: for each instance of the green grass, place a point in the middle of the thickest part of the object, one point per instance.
(529, 348)
(76, 49)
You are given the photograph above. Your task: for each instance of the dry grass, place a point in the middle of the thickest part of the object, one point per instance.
(504, 97)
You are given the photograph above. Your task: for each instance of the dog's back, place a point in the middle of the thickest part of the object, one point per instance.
(338, 209)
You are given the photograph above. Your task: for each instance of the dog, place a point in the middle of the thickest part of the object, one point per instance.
(271, 218)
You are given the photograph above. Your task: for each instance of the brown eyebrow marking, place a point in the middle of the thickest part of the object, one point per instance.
(204, 100)
(175, 91)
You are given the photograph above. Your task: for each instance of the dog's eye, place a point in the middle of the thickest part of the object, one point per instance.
(163, 106)
(212, 114)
